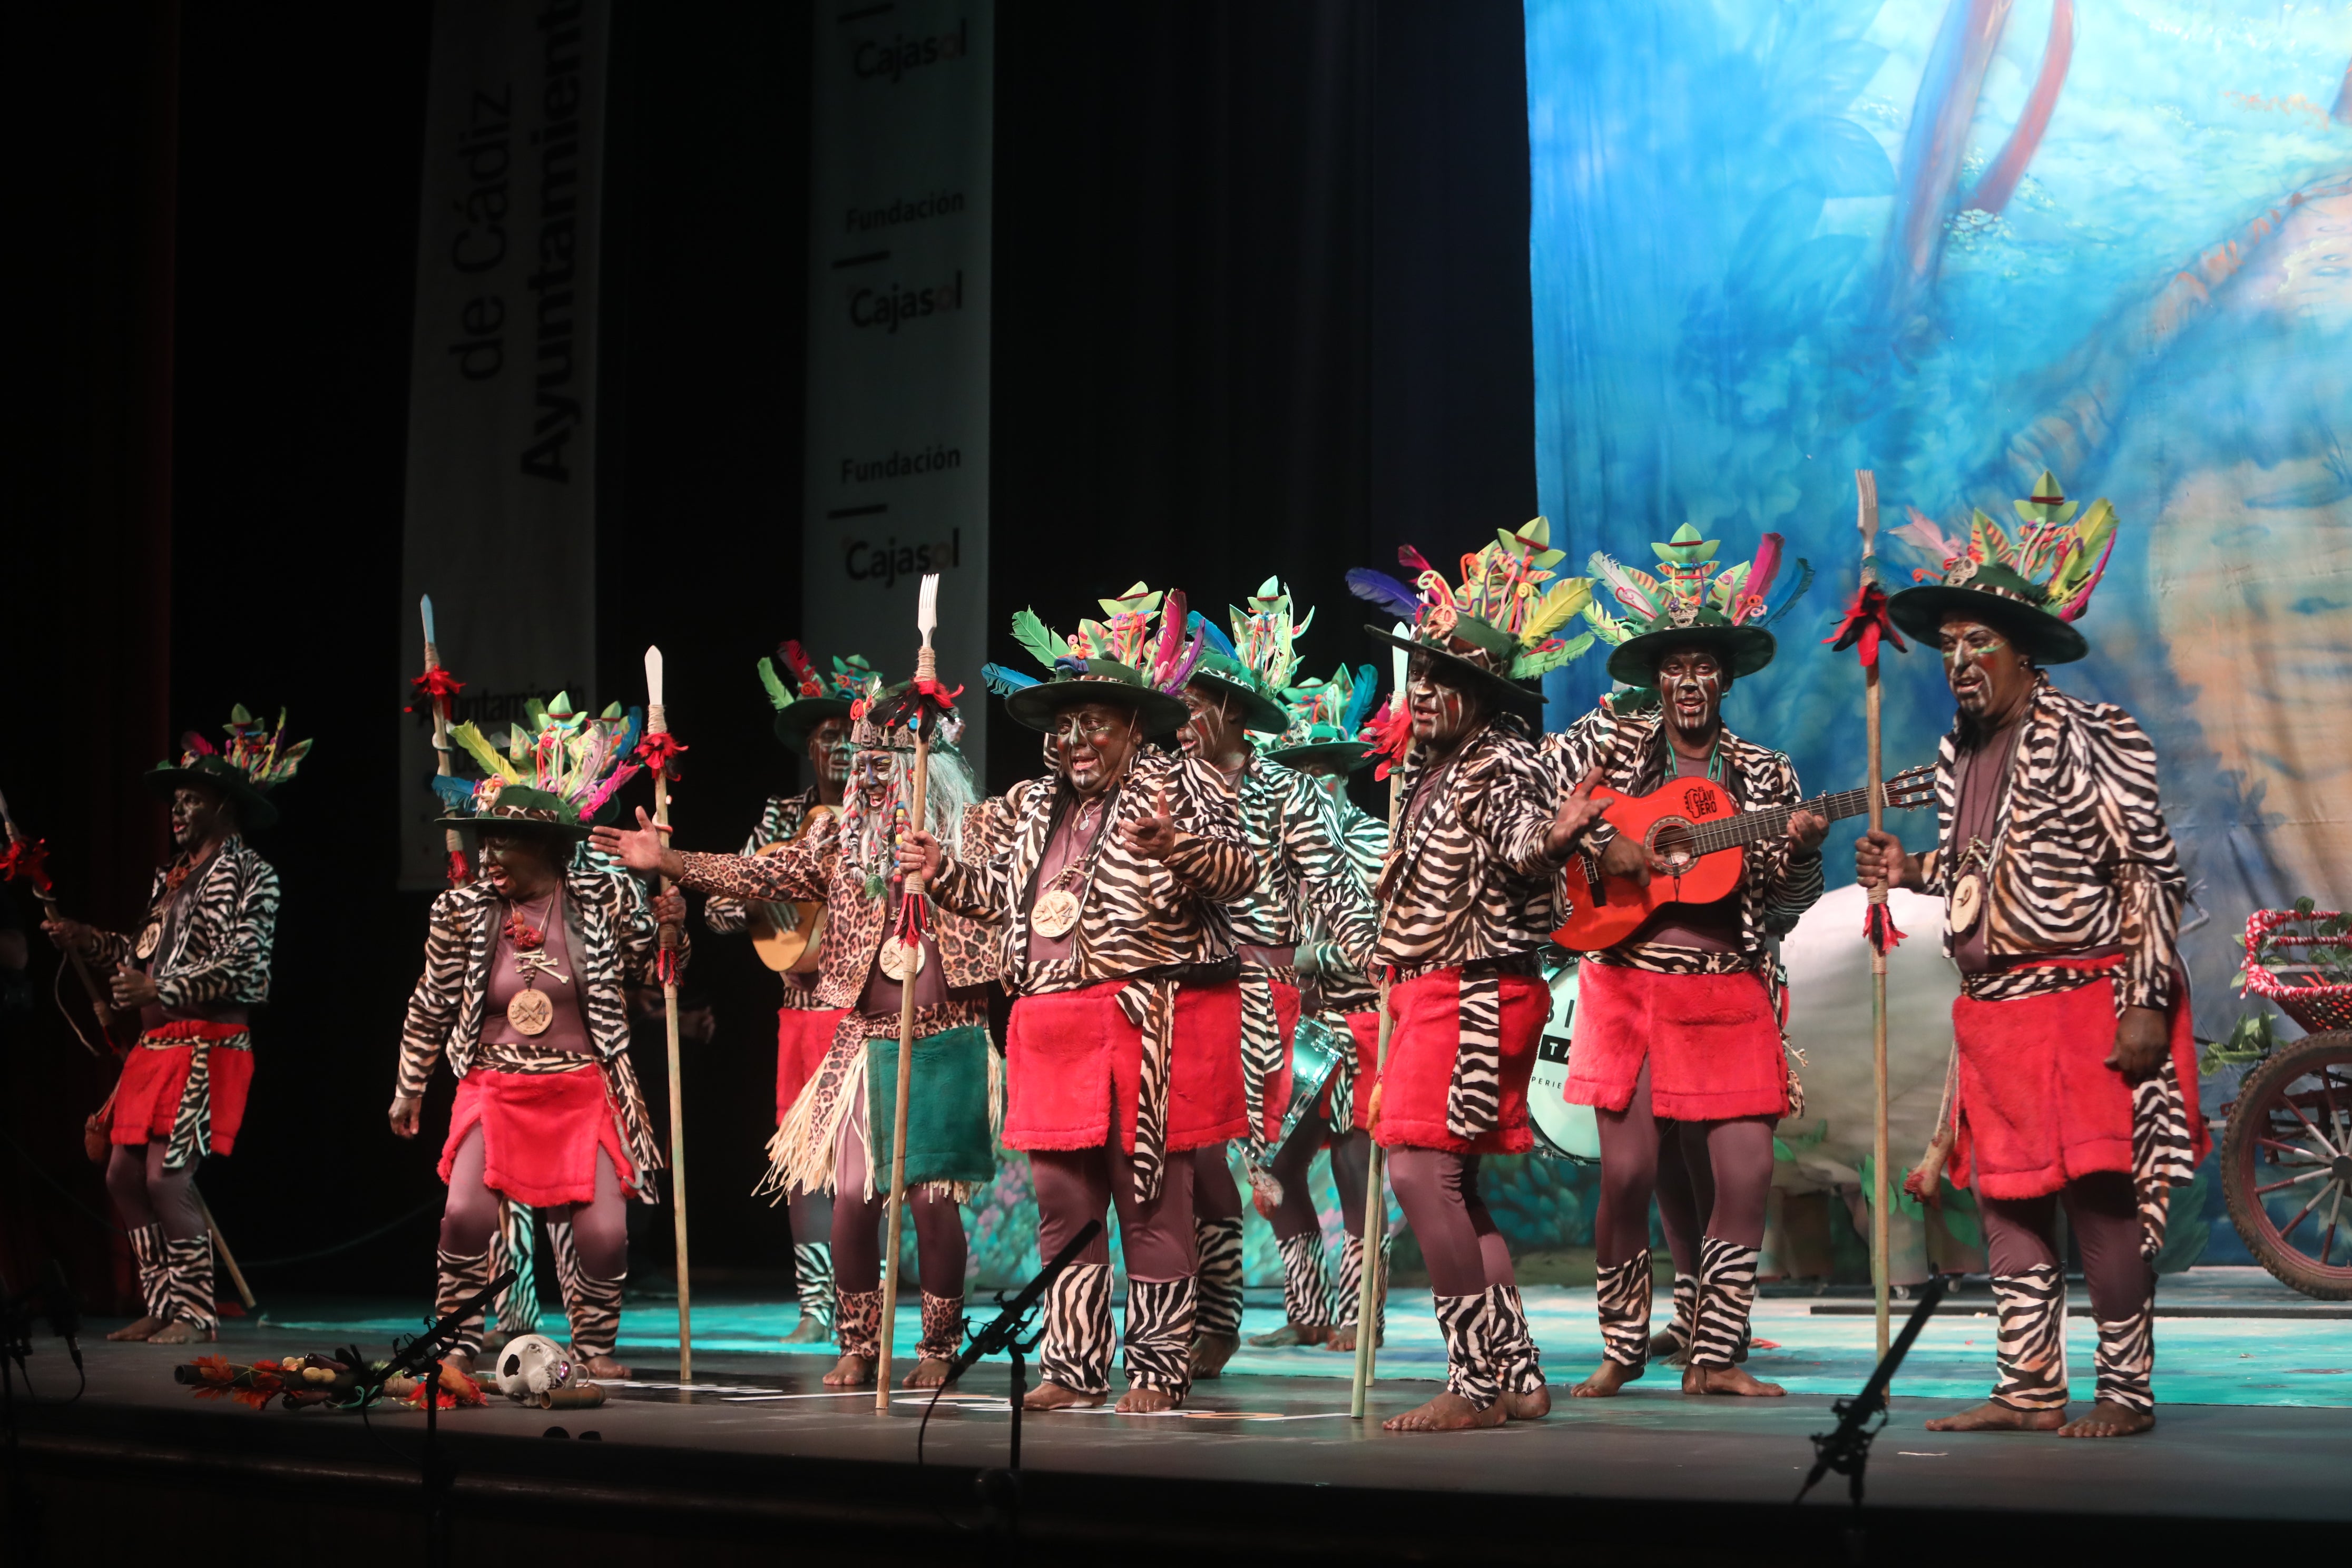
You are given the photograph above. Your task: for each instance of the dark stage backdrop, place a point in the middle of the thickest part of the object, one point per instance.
(1262, 306)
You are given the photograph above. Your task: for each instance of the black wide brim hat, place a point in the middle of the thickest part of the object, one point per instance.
(794, 722)
(522, 810)
(1105, 681)
(1347, 756)
(2045, 639)
(254, 809)
(1468, 675)
(1254, 707)
(1743, 650)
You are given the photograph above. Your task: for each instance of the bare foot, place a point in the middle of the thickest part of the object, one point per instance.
(1666, 1348)
(930, 1373)
(1211, 1352)
(179, 1334)
(1142, 1399)
(1449, 1412)
(1728, 1379)
(850, 1372)
(145, 1329)
(1532, 1406)
(1293, 1334)
(1051, 1395)
(2109, 1420)
(599, 1366)
(460, 1361)
(1344, 1341)
(1993, 1415)
(1604, 1383)
(809, 1331)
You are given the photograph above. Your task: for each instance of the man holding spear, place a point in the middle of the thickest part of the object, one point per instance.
(1469, 901)
(2076, 1073)
(198, 966)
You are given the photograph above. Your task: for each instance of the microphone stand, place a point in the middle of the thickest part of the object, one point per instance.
(1000, 1490)
(1846, 1449)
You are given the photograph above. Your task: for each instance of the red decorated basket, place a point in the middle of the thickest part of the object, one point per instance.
(2299, 992)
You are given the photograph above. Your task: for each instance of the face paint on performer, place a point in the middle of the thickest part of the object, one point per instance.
(1096, 740)
(829, 753)
(1691, 684)
(1988, 676)
(519, 865)
(199, 815)
(1212, 732)
(873, 773)
(1441, 714)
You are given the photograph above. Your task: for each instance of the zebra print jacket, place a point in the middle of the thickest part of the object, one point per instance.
(1347, 987)
(2084, 857)
(609, 926)
(727, 913)
(1140, 920)
(1466, 879)
(1776, 885)
(222, 943)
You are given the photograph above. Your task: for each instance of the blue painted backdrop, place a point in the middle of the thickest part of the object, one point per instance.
(1956, 243)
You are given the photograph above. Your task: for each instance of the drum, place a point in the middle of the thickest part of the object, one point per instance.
(1313, 1057)
(1563, 1131)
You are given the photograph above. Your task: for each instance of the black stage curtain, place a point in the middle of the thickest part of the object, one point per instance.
(1262, 307)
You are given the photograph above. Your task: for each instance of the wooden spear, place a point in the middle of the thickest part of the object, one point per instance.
(460, 873)
(927, 673)
(1372, 1277)
(1865, 484)
(657, 723)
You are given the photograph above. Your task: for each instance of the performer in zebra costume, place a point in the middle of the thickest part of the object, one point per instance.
(1108, 878)
(524, 991)
(1327, 716)
(812, 720)
(837, 1135)
(1469, 897)
(1305, 878)
(2075, 1070)
(1678, 1026)
(197, 967)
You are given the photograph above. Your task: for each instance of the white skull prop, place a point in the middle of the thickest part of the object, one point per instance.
(533, 1364)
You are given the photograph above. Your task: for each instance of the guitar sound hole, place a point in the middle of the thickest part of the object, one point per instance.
(1672, 842)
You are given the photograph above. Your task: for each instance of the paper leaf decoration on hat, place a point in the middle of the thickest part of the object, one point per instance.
(254, 749)
(1509, 586)
(1264, 635)
(2060, 555)
(578, 758)
(1125, 636)
(1326, 711)
(1691, 586)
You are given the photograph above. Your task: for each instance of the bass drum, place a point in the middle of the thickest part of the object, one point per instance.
(1563, 1131)
(1315, 1050)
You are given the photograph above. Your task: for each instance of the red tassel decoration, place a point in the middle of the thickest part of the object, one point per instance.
(1878, 925)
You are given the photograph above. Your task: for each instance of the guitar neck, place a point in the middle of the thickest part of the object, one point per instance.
(1772, 822)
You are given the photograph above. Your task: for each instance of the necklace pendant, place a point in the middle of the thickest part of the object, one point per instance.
(1055, 914)
(894, 960)
(151, 937)
(530, 1013)
(1968, 904)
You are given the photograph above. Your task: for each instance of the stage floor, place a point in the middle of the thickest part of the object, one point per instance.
(1258, 1461)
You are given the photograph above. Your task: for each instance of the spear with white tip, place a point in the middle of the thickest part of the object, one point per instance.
(657, 723)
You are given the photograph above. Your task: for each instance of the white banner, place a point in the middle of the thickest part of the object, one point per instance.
(500, 519)
(898, 339)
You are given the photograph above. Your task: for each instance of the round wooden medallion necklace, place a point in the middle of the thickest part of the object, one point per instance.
(531, 1010)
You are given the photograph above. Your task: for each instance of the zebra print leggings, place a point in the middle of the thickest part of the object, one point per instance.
(2021, 1234)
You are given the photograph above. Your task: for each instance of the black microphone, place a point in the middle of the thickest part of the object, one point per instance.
(1007, 1326)
(65, 1311)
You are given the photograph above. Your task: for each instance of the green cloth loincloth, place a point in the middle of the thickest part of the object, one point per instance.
(948, 1137)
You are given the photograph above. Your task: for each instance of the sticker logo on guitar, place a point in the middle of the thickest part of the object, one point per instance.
(1698, 799)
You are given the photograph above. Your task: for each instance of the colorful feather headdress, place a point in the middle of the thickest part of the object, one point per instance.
(812, 695)
(576, 760)
(1503, 620)
(255, 760)
(1689, 601)
(1328, 718)
(2035, 583)
(1122, 650)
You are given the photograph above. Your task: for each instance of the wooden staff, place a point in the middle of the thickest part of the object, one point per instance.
(657, 723)
(1376, 1209)
(1865, 484)
(927, 673)
(220, 1245)
(99, 1004)
(459, 875)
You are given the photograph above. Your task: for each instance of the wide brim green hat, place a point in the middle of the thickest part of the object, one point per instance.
(521, 809)
(1345, 756)
(1104, 681)
(794, 723)
(1743, 650)
(1229, 679)
(1998, 597)
(1467, 673)
(254, 809)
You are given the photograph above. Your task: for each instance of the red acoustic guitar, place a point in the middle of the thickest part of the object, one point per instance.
(1691, 826)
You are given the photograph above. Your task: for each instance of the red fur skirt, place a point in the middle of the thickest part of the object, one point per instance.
(147, 1096)
(541, 1133)
(1278, 1084)
(1425, 1039)
(1711, 1041)
(1072, 1062)
(2037, 1104)
(803, 1036)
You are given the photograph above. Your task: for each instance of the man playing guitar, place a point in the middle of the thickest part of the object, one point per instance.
(1678, 1024)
